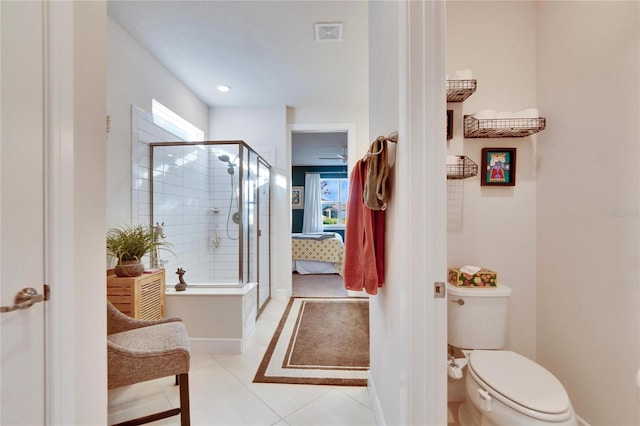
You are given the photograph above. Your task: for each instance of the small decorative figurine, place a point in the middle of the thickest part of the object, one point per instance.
(158, 234)
(182, 285)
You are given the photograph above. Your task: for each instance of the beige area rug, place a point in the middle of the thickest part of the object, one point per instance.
(319, 341)
(323, 285)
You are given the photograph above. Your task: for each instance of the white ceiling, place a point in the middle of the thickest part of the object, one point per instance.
(265, 50)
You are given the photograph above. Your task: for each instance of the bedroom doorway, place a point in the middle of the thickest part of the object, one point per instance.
(332, 141)
(322, 149)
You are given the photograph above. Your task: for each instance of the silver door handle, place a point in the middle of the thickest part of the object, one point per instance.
(24, 299)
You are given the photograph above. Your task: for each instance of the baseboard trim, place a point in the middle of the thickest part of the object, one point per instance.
(581, 421)
(203, 345)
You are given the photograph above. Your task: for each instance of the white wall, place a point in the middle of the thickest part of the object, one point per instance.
(407, 324)
(89, 168)
(356, 116)
(490, 226)
(134, 77)
(265, 130)
(588, 208)
(388, 336)
(76, 169)
(571, 247)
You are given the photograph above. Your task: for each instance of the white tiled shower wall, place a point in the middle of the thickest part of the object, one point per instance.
(185, 195)
(224, 267)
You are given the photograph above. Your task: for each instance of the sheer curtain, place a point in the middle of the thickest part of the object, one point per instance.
(312, 220)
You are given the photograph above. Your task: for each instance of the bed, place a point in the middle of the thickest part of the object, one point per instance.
(318, 253)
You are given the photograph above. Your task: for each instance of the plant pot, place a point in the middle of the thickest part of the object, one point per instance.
(129, 268)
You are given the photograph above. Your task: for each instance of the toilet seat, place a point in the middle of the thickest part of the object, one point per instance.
(521, 384)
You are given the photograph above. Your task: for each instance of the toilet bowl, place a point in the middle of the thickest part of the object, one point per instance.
(502, 388)
(505, 388)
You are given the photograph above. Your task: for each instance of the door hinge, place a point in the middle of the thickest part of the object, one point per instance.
(439, 290)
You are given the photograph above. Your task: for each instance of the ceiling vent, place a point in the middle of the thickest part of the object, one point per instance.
(328, 31)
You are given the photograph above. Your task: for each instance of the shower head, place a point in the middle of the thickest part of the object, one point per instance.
(230, 166)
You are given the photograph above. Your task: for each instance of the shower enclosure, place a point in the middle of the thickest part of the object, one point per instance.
(213, 201)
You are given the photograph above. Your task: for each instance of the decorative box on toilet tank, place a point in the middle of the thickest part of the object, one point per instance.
(138, 297)
(482, 278)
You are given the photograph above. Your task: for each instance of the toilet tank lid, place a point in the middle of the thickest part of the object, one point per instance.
(521, 380)
(499, 290)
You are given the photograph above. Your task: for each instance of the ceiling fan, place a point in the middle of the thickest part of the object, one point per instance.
(342, 157)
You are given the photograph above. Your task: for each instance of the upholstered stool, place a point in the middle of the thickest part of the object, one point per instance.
(141, 350)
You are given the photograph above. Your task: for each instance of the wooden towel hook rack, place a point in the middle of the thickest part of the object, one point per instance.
(393, 137)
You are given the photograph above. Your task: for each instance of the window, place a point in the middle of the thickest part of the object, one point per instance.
(334, 195)
(172, 122)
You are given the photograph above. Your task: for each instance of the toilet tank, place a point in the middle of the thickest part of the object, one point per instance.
(477, 317)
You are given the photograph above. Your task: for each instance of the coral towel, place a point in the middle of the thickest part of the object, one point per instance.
(364, 238)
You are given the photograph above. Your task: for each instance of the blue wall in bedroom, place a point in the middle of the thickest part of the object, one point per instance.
(297, 179)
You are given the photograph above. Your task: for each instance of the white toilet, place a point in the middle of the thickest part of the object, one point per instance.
(502, 387)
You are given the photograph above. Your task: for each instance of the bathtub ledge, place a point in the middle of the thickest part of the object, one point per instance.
(211, 291)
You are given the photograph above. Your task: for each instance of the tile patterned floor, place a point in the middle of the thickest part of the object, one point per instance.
(222, 392)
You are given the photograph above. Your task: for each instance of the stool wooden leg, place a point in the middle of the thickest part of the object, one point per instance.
(185, 413)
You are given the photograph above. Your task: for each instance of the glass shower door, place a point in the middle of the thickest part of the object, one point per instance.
(263, 195)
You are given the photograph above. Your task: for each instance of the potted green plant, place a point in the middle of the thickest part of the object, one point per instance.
(129, 244)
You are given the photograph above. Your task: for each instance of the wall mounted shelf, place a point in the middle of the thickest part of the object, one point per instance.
(502, 127)
(463, 168)
(459, 90)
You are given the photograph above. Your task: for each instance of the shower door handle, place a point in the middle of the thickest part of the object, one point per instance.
(24, 299)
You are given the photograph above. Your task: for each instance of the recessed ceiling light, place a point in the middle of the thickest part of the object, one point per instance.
(223, 88)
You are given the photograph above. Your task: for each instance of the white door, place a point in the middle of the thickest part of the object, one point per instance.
(22, 363)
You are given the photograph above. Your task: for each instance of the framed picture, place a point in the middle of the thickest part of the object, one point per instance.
(449, 124)
(498, 167)
(297, 197)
